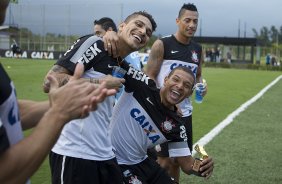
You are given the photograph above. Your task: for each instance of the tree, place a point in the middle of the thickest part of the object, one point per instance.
(273, 33)
(267, 36)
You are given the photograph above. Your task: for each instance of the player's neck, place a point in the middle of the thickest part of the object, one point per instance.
(165, 102)
(123, 49)
(182, 39)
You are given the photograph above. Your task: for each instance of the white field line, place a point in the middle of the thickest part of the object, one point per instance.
(216, 130)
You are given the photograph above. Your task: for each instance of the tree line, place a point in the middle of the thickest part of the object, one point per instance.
(268, 36)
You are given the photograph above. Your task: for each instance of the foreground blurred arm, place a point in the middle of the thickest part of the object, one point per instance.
(31, 112)
(21, 160)
(62, 75)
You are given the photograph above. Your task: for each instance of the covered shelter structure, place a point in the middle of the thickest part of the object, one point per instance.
(242, 49)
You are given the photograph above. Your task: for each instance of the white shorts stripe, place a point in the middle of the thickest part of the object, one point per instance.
(63, 168)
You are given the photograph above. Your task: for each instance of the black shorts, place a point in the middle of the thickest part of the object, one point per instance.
(148, 171)
(163, 152)
(81, 171)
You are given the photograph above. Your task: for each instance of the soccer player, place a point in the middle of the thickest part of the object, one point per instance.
(83, 153)
(106, 25)
(167, 53)
(146, 116)
(103, 25)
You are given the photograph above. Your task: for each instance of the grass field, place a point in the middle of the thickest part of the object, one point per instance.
(248, 150)
(245, 152)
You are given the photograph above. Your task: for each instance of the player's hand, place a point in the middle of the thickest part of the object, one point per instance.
(206, 168)
(78, 97)
(110, 43)
(112, 82)
(205, 89)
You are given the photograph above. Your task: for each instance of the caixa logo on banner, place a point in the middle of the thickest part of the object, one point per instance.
(31, 54)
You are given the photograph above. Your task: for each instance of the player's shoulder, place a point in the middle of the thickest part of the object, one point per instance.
(196, 44)
(90, 37)
(166, 37)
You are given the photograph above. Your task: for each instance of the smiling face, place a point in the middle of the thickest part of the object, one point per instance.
(187, 23)
(136, 32)
(177, 87)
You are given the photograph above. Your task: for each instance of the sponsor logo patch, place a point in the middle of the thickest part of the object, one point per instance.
(145, 124)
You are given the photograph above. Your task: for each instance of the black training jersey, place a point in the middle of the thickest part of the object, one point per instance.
(178, 54)
(140, 121)
(10, 125)
(88, 138)
(90, 51)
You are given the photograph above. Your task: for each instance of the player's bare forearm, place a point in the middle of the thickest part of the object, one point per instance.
(155, 60)
(31, 112)
(24, 158)
(199, 71)
(109, 81)
(185, 163)
(60, 73)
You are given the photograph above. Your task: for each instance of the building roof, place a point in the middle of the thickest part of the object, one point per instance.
(226, 40)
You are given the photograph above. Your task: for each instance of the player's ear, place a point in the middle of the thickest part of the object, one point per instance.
(165, 80)
(191, 91)
(121, 26)
(177, 20)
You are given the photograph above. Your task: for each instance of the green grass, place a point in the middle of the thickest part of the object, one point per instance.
(27, 76)
(227, 90)
(248, 150)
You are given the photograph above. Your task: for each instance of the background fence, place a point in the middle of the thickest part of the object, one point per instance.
(47, 21)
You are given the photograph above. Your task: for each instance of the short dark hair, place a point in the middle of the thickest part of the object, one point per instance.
(145, 14)
(185, 69)
(106, 23)
(188, 6)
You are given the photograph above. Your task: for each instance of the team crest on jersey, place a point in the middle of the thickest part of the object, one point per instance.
(195, 57)
(134, 180)
(167, 125)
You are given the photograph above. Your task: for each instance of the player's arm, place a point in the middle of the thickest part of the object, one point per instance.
(31, 112)
(110, 81)
(20, 161)
(61, 74)
(199, 71)
(199, 78)
(155, 60)
(186, 164)
(135, 79)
